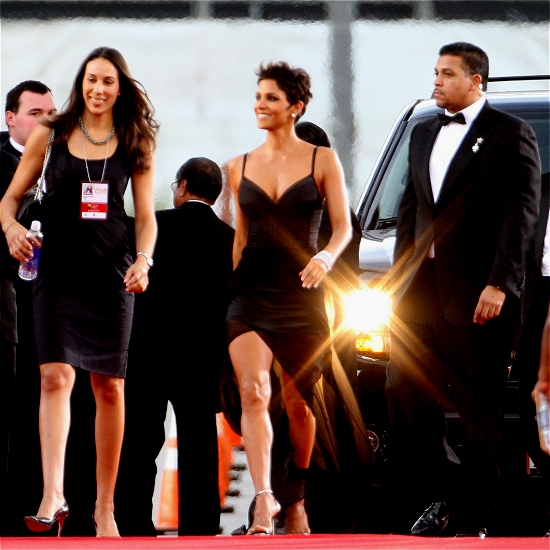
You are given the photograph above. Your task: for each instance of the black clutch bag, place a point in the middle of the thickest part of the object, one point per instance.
(31, 205)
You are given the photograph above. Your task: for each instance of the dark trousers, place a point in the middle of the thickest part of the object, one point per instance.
(7, 402)
(151, 383)
(436, 367)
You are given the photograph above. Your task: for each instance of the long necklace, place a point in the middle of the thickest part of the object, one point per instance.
(104, 162)
(91, 139)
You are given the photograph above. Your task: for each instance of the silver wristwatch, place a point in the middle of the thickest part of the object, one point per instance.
(148, 259)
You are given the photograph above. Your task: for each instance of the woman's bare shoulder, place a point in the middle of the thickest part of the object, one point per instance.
(234, 164)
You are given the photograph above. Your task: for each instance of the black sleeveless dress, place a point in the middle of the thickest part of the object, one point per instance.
(83, 315)
(267, 293)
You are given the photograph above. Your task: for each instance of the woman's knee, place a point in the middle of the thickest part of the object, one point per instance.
(55, 377)
(255, 394)
(298, 409)
(108, 389)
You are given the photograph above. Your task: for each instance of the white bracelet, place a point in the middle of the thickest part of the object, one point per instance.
(326, 257)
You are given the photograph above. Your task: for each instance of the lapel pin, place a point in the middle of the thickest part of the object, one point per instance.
(478, 142)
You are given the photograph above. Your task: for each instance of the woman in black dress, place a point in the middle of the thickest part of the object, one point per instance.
(277, 309)
(83, 295)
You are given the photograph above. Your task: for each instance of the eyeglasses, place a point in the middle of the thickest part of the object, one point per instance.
(174, 184)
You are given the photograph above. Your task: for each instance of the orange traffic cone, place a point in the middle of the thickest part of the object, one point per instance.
(227, 439)
(224, 459)
(167, 516)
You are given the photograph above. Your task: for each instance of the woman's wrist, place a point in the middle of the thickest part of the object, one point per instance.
(326, 257)
(8, 226)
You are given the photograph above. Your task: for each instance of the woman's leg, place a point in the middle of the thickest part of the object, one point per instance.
(252, 359)
(301, 427)
(56, 384)
(109, 430)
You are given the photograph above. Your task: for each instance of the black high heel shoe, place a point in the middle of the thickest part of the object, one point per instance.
(243, 530)
(39, 524)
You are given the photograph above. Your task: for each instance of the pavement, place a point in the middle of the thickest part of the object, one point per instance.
(236, 508)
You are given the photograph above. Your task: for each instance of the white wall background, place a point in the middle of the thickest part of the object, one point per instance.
(200, 73)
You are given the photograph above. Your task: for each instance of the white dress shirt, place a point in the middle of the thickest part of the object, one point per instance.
(16, 145)
(445, 147)
(447, 143)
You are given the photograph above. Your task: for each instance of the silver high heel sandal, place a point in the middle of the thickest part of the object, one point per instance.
(261, 530)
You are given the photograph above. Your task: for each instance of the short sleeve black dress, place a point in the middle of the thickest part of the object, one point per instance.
(83, 315)
(268, 296)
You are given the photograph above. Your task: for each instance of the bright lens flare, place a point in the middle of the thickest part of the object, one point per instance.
(367, 310)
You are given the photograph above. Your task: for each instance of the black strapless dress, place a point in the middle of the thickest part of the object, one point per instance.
(83, 315)
(267, 293)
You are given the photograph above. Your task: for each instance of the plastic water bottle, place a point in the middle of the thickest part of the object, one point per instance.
(28, 269)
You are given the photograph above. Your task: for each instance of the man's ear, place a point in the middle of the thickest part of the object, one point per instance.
(10, 118)
(476, 81)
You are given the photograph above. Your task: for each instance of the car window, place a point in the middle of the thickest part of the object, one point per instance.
(392, 184)
(386, 203)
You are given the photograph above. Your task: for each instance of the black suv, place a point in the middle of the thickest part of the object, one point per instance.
(524, 511)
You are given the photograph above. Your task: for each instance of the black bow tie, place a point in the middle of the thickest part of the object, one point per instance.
(444, 119)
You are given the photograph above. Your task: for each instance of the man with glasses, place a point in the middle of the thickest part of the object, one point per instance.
(177, 346)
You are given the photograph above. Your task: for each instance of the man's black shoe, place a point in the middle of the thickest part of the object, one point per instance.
(432, 521)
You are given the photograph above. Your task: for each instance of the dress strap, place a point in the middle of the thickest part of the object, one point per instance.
(244, 164)
(312, 159)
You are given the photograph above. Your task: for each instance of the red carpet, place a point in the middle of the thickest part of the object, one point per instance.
(278, 542)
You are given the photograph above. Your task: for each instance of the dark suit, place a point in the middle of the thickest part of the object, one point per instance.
(178, 343)
(527, 358)
(481, 225)
(9, 159)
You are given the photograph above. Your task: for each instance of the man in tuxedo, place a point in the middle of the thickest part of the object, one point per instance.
(177, 346)
(528, 355)
(465, 224)
(26, 104)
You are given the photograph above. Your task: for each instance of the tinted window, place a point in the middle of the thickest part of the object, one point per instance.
(392, 185)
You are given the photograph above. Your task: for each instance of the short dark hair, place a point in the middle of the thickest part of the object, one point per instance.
(294, 82)
(474, 59)
(310, 132)
(203, 176)
(13, 98)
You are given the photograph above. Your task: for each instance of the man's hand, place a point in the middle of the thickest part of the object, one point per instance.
(489, 304)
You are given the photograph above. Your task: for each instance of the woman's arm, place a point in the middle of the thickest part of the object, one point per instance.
(543, 383)
(234, 169)
(145, 223)
(541, 392)
(334, 188)
(329, 172)
(27, 173)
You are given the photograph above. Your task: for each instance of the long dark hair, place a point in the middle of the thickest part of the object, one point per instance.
(132, 113)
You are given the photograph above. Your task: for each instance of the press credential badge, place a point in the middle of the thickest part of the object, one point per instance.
(94, 199)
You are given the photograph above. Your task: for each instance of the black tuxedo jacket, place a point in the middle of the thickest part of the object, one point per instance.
(484, 220)
(182, 313)
(543, 219)
(9, 160)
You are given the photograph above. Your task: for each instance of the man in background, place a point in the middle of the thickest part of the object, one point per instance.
(26, 104)
(177, 347)
(528, 354)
